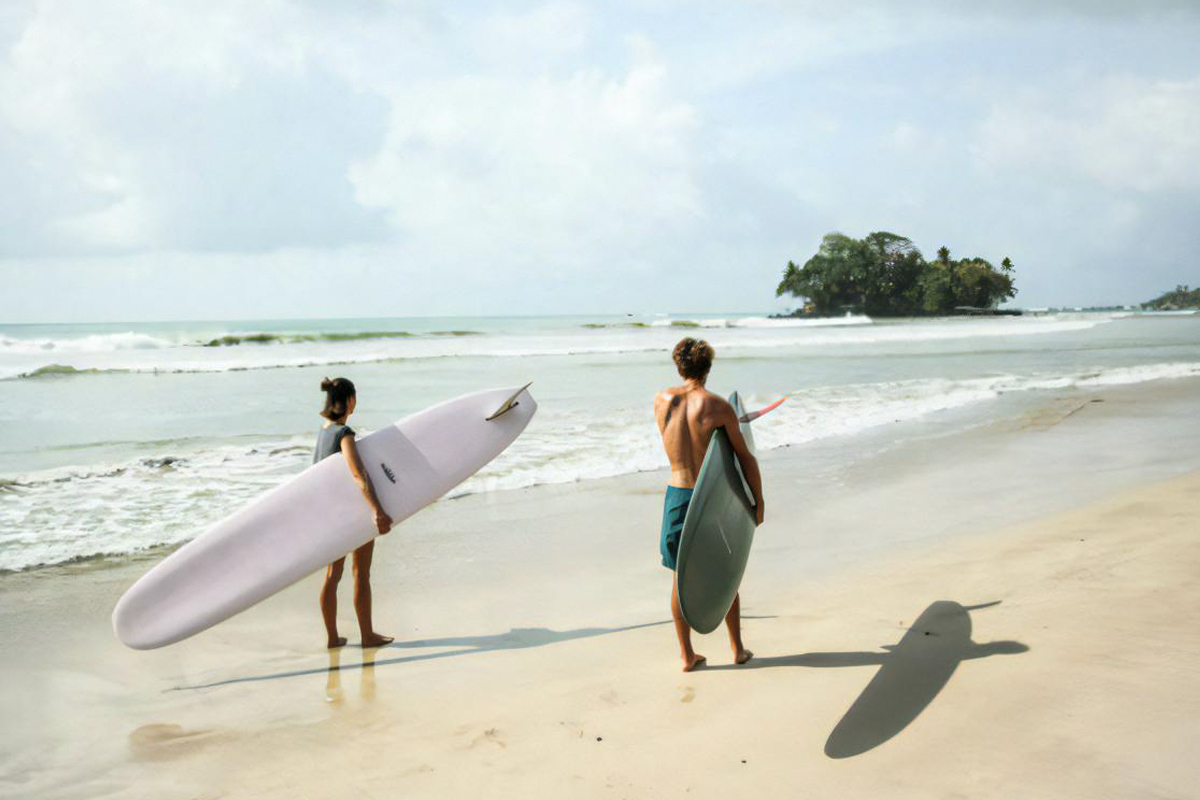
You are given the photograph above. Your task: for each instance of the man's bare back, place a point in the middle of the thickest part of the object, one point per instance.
(687, 416)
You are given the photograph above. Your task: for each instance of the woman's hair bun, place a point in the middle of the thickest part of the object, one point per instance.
(337, 397)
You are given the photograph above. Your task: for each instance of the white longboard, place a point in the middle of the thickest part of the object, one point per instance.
(317, 517)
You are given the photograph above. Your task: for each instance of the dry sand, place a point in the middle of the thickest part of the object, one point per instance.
(1012, 612)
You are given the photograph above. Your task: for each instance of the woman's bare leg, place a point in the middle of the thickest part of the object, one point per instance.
(362, 596)
(333, 574)
(691, 659)
(733, 621)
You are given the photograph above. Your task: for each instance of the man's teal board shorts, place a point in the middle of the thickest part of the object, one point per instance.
(675, 508)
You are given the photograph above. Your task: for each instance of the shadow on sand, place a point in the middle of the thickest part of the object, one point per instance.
(911, 674)
(515, 639)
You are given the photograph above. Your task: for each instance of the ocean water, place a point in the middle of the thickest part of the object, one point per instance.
(122, 437)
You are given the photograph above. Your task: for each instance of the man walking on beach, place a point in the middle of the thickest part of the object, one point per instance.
(687, 416)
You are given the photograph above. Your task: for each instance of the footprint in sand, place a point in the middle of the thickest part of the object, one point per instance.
(689, 694)
(160, 741)
(490, 735)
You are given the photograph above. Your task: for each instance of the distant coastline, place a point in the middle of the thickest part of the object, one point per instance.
(1181, 298)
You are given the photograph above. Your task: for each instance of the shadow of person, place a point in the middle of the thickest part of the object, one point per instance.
(911, 674)
(514, 639)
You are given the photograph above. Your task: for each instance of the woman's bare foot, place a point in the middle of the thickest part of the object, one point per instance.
(742, 656)
(337, 642)
(376, 640)
(695, 662)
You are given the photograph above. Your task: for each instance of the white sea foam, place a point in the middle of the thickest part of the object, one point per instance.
(95, 343)
(59, 515)
(842, 410)
(761, 322)
(574, 446)
(799, 322)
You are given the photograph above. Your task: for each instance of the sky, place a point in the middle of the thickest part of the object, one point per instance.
(220, 159)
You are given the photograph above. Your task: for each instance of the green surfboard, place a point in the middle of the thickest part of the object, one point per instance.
(717, 533)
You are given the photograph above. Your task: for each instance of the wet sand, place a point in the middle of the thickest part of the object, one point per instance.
(1012, 611)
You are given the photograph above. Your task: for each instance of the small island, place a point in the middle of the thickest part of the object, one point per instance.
(1181, 298)
(885, 275)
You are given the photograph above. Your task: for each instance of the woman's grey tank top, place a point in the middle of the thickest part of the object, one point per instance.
(329, 441)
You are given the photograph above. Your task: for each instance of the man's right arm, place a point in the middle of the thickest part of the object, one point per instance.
(747, 460)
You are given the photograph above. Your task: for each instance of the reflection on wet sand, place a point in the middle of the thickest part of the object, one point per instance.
(333, 677)
(366, 684)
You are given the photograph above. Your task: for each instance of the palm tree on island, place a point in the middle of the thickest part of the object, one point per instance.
(885, 275)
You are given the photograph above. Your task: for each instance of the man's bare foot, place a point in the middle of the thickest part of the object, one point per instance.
(337, 642)
(695, 662)
(742, 656)
(376, 640)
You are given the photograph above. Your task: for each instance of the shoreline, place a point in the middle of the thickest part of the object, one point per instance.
(1034, 408)
(534, 650)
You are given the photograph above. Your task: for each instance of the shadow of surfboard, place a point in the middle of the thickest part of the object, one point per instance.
(911, 674)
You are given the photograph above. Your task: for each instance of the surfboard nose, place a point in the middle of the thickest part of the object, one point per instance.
(128, 628)
(141, 619)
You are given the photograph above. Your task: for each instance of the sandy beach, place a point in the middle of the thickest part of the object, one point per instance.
(1005, 612)
(941, 255)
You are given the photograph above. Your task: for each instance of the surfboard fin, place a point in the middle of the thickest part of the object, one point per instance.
(509, 404)
(982, 605)
(750, 416)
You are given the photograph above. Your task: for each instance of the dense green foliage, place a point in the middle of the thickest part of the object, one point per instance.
(885, 275)
(1179, 297)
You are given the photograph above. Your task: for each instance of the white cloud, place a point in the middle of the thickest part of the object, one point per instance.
(567, 155)
(1126, 133)
(194, 126)
(554, 167)
(248, 127)
(536, 36)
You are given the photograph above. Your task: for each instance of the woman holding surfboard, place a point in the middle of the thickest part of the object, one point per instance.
(318, 516)
(336, 436)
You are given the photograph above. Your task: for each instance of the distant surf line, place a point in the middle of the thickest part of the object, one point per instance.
(798, 337)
